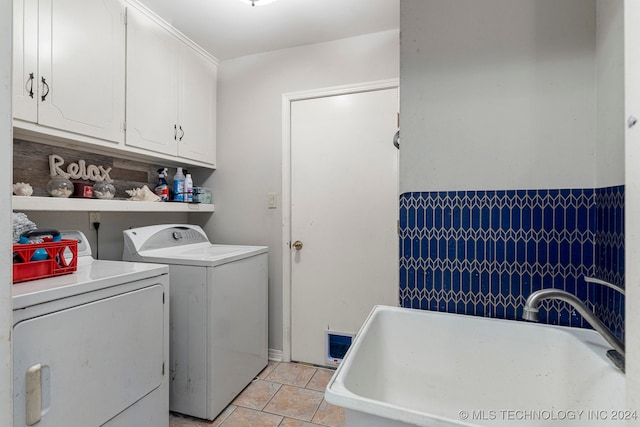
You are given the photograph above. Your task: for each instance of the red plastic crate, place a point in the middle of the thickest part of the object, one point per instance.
(54, 265)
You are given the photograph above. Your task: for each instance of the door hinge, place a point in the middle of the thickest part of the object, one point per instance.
(163, 297)
(163, 369)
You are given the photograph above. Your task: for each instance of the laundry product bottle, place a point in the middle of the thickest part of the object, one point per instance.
(178, 186)
(162, 189)
(188, 189)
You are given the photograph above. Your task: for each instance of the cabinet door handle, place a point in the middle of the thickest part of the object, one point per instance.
(30, 83)
(175, 132)
(182, 135)
(34, 395)
(45, 85)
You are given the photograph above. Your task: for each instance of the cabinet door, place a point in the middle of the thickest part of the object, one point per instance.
(91, 361)
(152, 91)
(25, 60)
(197, 107)
(82, 61)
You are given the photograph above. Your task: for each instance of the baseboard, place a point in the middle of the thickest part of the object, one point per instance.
(275, 355)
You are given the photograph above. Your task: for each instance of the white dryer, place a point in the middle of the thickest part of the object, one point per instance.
(218, 313)
(91, 348)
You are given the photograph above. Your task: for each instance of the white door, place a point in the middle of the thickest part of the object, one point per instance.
(25, 60)
(196, 107)
(344, 209)
(152, 85)
(82, 61)
(632, 197)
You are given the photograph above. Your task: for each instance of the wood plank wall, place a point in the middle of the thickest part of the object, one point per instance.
(31, 165)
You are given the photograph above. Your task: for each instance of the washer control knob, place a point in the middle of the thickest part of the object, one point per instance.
(176, 235)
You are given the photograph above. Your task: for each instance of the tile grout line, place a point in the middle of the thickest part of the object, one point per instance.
(256, 380)
(304, 387)
(322, 400)
(228, 415)
(315, 371)
(274, 382)
(271, 398)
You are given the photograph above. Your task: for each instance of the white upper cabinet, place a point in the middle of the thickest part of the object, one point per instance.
(197, 107)
(79, 82)
(171, 93)
(70, 62)
(25, 60)
(152, 85)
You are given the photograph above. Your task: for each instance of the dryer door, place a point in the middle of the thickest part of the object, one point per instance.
(84, 365)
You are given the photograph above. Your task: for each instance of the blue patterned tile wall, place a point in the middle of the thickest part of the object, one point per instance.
(483, 252)
(609, 256)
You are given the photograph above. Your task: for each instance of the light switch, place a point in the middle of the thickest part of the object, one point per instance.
(272, 200)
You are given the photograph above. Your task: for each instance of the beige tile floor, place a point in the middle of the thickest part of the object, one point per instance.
(283, 395)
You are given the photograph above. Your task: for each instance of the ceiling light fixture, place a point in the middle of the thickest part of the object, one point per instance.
(257, 2)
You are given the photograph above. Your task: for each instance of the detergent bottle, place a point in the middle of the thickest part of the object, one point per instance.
(178, 186)
(162, 189)
(188, 189)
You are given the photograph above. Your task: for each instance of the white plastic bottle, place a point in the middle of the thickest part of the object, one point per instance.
(188, 189)
(178, 186)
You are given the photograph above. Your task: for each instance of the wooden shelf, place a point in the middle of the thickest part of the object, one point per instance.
(101, 205)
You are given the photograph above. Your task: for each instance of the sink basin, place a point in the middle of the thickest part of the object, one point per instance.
(414, 367)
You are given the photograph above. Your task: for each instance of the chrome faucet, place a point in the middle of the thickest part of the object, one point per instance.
(532, 305)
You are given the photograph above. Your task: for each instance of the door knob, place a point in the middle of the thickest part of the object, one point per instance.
(297, 245)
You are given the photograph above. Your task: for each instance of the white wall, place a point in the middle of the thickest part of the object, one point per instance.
(632, 203)
(610, 93)
(6, 159)
(500, 94)
(456, 61)
(249, 149)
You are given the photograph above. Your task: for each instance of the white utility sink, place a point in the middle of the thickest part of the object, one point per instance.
(414, 367)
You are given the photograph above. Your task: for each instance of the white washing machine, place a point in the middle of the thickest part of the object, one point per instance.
(218, 313)
(91, 348)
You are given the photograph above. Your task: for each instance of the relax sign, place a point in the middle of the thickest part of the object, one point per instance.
(78, 170)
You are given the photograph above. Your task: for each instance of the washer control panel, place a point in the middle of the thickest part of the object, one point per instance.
(171, 237)
(187, 235)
